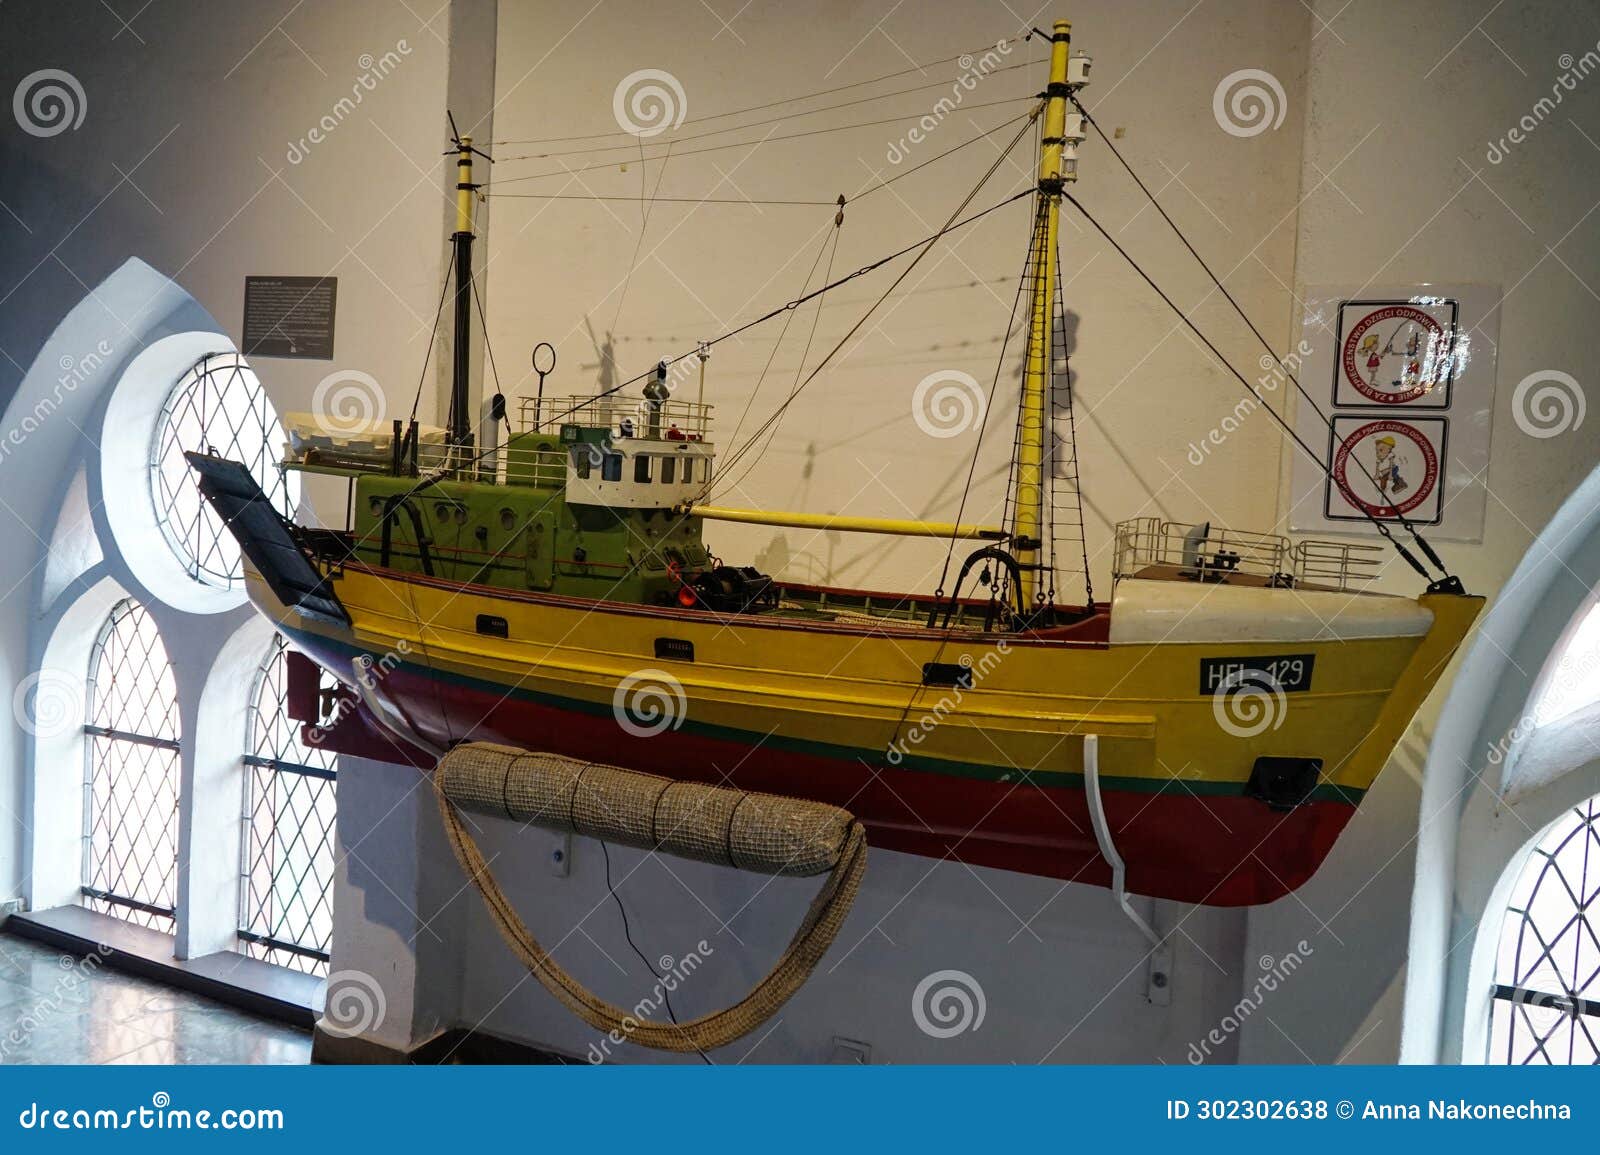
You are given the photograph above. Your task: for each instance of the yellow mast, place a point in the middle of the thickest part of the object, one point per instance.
(1034, 418)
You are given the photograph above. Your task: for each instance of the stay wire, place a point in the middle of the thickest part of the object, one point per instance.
(798, 301)
(488, 349)
(1035, 252)
(1034, 241)
(778, 344)
(922, 67)
(580, 169)
(1405, 522)
(436, 477)
(866, 192)
(444, 289)
(754, 123)
(816, 319)
(927, 247)
(1383, 530)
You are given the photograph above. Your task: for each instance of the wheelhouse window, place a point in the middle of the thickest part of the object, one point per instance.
(288, 845)
(1546, 1003)
(611, 467)
(130, 837)
(669, 467)
(641, 467)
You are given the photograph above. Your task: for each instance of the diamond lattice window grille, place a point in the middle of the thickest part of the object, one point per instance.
(1546, 1006)
(130, 837)
(286, 883)
(218, 406)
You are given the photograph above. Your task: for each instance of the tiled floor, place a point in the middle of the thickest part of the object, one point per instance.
(57, 1008)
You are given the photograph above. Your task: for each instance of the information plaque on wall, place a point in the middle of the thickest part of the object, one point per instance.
(289, 316)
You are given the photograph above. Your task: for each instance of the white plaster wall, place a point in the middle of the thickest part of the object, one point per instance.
(1404, 99)
(181, 160)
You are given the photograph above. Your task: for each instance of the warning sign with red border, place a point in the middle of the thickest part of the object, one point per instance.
(1399, 353)
(1386, 467)
(1396, 403)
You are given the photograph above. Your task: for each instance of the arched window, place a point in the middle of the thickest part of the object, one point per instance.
(286, 885)
(219, 406)
(1574, 681)
(130, 837)
(1546, 1005)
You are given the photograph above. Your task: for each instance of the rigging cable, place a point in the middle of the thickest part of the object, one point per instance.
(927, 247)
(866, 192)
(782, 333)
(1001, 46)
(1035, 254)
(1072, 433)
(444, 289)
(1228, 365)
(435, 478)
(644, 224)
(1405, 522)
(753, 143)
(488, 348)
(755, 123)
(816, 319)
(983, 422)
(798, 301)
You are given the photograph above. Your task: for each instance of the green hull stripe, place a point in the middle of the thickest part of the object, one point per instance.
(1058, 780)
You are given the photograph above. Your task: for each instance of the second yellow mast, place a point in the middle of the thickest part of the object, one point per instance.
(1057, 165)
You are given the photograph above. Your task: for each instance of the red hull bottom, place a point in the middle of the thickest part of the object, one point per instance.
(1216, 850)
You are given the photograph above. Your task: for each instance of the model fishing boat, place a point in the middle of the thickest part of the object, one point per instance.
(1216, 721)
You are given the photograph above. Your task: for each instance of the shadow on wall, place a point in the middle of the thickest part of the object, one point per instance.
(59, 236)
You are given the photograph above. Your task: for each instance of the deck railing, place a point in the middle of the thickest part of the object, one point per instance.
(644, 418)
(516, 464)
(1209, 550)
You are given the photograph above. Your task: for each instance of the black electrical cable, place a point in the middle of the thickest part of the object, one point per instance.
(627, 933)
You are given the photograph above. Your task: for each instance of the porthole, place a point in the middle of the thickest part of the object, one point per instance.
(219, 406)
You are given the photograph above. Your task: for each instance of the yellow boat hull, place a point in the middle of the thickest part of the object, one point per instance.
(967, 745)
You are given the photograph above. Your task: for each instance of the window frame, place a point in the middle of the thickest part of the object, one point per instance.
(209, 379)
(101, 880)
(266, 944)
(1516, 999)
